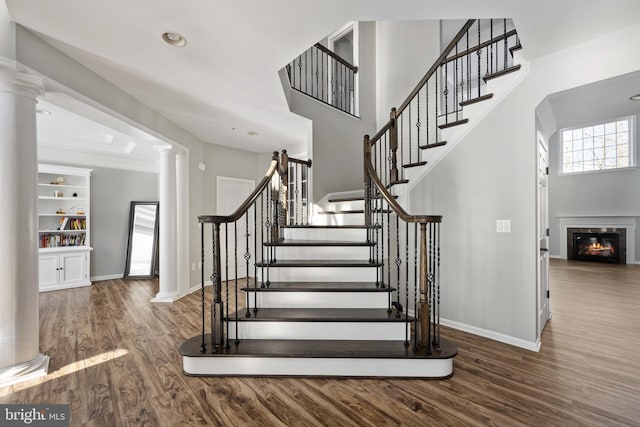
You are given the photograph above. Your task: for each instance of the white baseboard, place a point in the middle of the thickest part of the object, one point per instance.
(106, 277)
(496, 336)
(556, 256)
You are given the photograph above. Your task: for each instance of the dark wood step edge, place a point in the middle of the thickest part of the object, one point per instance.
(414, 165)
(475, 100)
(501, 73)
(452, 124)
(434, 145)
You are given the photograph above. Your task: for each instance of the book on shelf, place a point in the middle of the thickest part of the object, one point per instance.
(63, 223)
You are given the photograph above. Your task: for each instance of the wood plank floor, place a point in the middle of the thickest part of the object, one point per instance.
(114, 359)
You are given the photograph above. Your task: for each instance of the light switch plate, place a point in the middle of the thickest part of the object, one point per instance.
(503, 225)
(202, 166)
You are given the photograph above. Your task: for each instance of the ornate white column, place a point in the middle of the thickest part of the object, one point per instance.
(20, 357)
(168, 228)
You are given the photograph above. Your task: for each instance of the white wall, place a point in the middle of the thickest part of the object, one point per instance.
(112, 191)
(404, 51)
(337, 137)
(7, 34)
(489, 279)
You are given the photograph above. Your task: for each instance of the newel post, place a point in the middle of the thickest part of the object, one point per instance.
(423, 307)
(367, 187)
(284, 176)
(393, 146)
(217, 306)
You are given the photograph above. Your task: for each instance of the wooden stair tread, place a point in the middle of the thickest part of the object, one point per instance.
(501, 73)
(317, 349)
(352, 199)
(320, 287)
(452, 124)
(415, 164)
(326, 226)
(477, 99)
(319, 263)
(295, 242)
(351, 211)
(402, 181)
(320, 315)
(434, 145)
(514, 48)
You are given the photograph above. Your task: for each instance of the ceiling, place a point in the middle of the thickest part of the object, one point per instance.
(224, 84)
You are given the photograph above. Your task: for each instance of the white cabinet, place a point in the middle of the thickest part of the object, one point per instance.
(64, 269)
(64, 226)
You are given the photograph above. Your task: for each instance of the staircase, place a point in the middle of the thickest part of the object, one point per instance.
(352, 289)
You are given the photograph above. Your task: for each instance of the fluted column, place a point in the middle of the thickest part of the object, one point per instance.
(168, 228)
(20, 357)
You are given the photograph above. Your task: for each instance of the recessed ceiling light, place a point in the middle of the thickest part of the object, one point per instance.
(43, 112)
(252, 133)
(635, 97)
(174, 39)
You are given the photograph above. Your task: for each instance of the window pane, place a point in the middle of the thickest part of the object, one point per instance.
(610, 140)
(598, 130)
(609, 128)
(598, 153)
(587, 143)
(567, 157)
(610, 163)
(577, 134)
(566, 146)
(623, 150)
(577, 156)
(578, 167)
(588, 155)
(598, 141)
(623, 162)
(610, 152)
(567, 168)
(598, 164)
(588, 166)
(577, 145)
(622, 126)
(567, 135)
(587, 132)
(622, 138)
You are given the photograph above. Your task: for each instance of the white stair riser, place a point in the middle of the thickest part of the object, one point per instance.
(346, 206)
(271, 299)
(266, 330)
(319, 274)
(346, 234)
(339, 219)
(293, 366)
(322, 252)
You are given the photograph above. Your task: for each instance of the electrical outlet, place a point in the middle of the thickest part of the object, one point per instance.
(503, 225)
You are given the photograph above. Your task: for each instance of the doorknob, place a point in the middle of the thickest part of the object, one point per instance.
(544, 250)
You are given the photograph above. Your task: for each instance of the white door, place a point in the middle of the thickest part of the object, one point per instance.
(543, 234)
(231, 193)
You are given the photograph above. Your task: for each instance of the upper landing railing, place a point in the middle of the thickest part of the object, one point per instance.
(325, 76)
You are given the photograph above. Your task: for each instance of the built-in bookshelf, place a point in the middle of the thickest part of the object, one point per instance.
(63, 226)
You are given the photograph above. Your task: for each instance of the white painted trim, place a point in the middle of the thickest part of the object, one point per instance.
(169, 297)
(321, 330)
(61, 287)
(496, 336)
(555, 256)
(107, 277)
(338, 367)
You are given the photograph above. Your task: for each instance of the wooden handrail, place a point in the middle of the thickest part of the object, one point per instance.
(337, 57)
(381, 132)
(436, 65)
(244, 207)
(301, 162)
(391, 201)
(482, 45)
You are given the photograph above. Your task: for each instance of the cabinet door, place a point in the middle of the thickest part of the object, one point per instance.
(49, 268)
(73, 268)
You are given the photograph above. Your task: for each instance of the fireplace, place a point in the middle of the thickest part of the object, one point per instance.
(597, 244)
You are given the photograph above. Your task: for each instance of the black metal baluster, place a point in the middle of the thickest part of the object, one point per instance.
(415, 285)
(299, 72)
(388, 253)
(381, 215)
(317, 73)
(401, 118)
(437, 282)
(446, 93)
(214, 281)
(436, 95)
(262, 248)
(226, 278)
(430, 293)
(377, 226)
(406, 284)
(247, 257)
(491, 46)
(468, 56)
(479, 54)
(418, 127)
(410, 132)
(504, 43)
(426, 93)
(455, 85)
(203, 346)
(295, 201)
(235, 262)
(398, 262)
(255, 252)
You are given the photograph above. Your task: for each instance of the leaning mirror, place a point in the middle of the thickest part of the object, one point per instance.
(143, 241)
